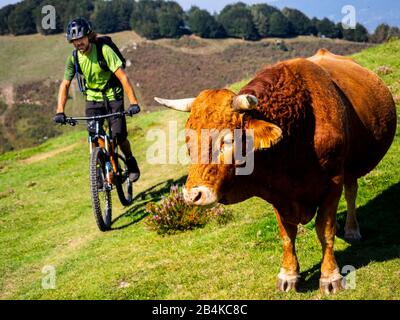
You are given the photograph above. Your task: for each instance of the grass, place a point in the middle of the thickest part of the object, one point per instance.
(48, 51)
(46, 219)
(47, 56)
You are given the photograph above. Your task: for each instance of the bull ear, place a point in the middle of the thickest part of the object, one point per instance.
(265, 134)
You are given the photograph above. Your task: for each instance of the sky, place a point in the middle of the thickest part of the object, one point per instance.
(368, 12)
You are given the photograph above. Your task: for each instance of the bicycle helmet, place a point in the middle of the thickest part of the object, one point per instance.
(78, 28)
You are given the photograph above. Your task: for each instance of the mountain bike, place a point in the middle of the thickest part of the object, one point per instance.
(107, 169)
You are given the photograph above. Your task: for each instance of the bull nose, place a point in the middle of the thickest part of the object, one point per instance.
(199, 196)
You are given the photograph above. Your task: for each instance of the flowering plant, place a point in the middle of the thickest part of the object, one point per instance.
(173, 214)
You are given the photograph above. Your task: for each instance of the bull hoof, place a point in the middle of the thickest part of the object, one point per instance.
(352, 236)
(287, 283)
(331, 285)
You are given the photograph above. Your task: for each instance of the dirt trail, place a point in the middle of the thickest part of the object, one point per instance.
(7, 94)
(47, 155)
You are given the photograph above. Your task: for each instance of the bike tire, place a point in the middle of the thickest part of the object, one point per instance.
(123, 185)
(102, 211)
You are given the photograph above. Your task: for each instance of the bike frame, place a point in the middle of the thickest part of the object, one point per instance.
(105, 170)
(103, 141)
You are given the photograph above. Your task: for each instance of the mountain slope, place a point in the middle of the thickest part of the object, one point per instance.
(46, 220)
(180, 67)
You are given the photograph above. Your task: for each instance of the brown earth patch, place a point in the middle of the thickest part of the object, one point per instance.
(159, 70)
(47, 155)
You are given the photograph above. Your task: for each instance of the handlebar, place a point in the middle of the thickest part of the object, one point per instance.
(73, 121)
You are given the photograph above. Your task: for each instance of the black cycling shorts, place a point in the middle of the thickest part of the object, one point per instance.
(118, 125)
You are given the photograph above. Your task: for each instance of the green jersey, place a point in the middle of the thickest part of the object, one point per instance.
(94, 75)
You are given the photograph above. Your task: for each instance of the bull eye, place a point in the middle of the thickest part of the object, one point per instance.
(190, 155)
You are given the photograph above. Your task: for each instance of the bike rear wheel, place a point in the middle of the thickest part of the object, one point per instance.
(123, 184)
(100, 190)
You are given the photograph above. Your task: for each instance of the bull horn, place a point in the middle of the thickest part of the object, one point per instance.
(244, 102)
(184, 105)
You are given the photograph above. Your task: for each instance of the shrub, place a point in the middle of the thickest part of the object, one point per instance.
(383, 70)
(172, 214)
(3, 107)
(280, 45)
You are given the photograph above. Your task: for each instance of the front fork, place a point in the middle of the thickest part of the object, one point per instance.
(104, 143)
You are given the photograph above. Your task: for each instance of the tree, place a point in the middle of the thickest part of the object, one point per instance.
(21, 20)
(381, 33)
(279, 25)
(359, 34)
(327, 28)
(237, 22)
(144, 19)
(4, 14)
(123, 10)
(261, 14)
(394, 32)
(171, 24)
(204, 25)
(384, 33)
(170, 19)
(75, 9)
(105, 17)
(300, 23)
(340, 30)
(314, 26)
(155, 19)
(112, 16)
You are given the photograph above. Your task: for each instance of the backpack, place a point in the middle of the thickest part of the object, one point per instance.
(114, 81)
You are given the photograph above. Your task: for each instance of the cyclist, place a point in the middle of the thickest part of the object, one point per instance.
(103, 96)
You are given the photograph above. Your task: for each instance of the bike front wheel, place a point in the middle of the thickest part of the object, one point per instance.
(123, 184)
(100, 190)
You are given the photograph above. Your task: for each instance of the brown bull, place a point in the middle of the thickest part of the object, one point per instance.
(319, 124)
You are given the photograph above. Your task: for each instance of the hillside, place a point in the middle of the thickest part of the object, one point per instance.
(46, 220)
(179, 67)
